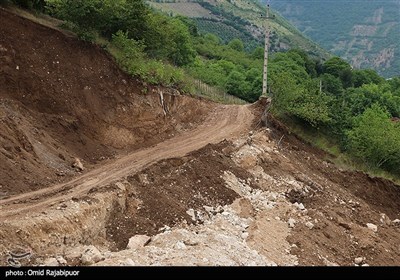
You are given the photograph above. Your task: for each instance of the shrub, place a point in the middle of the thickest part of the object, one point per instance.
(375, 139)
(130, 55)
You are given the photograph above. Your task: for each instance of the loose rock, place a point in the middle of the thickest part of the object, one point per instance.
(51, 262)
(61, 260)
(191, 242)
(299, 205)
(358, 260)
(191, 213)
(209, 209)
(180, 245)
(309, 225)
(121, 186)
(385, 219)
(73, 254)
(91, 255)
(372, 227)
(77, 164)
(138, 241)
(128, 262)
(396, 222)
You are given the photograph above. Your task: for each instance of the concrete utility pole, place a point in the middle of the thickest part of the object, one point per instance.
(266, 47)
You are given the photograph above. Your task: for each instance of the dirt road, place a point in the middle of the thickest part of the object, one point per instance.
(223, 122)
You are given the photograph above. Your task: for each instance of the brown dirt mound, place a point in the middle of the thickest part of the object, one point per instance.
(167, 189)
(340, 203)
(62, 98)
(381, 194)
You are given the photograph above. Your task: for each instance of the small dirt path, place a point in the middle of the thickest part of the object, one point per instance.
(225, 122)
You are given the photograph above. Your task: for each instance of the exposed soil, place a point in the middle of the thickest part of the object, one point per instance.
(62, 98)
(206, 189)
(187, 183)
(342, 202)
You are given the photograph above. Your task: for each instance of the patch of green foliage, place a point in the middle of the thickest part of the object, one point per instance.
(356, 109)
(164, 38)
(375, 139)
(146, 44)
(131, 56)
(26, 4)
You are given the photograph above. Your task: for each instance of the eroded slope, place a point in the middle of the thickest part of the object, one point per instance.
(62, 98)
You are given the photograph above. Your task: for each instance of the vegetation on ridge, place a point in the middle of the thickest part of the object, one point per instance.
(356, 109)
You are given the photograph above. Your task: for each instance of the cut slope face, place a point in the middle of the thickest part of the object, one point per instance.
(62, 98)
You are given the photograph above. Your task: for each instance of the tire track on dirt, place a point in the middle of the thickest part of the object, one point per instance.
(225, 122)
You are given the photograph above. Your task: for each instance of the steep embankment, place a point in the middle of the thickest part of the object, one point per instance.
(62, 98)
(261, 198)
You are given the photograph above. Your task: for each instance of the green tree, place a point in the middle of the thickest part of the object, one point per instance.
(303, 101)
(236, 44)
(395, 85)
(126, 15)
(331, 84)
(29, 4)
(283, 62)
(256, 89)
(283, 87)
(258, 53)
(237, 85)
(191, 25)
(375, 140)
(169, 39)
(340, 69)
(366, 76)
(311, 105)
(103, 16)
(253, 77)
(212, 38)
(226, 66)
(307, 62)
(358, 99)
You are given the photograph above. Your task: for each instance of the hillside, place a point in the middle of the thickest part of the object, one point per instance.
(240, 19)
(99, 167)
(366, 35)
(55, 107)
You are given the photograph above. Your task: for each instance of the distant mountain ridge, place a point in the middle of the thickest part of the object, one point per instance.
(243, 19)
(365, 33)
